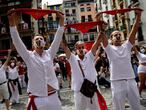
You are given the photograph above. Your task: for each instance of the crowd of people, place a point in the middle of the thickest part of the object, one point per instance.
(43, 71)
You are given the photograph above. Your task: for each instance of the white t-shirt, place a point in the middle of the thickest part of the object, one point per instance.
(120, 61)
(2, 74)
(88, 67)
(141, 57)
(13, 73)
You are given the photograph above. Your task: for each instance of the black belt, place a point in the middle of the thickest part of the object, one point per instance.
(3, 83)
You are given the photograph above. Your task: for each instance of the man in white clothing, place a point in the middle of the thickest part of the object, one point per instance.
(123, 84)
(42, 83)
(3, 81)
(86, 60)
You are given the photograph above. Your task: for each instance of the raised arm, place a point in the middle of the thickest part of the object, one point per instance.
(58, 36)
(102, 30)
(97, 42)
(7, 60)
(19, 45)
(64, 46)
(134, 29)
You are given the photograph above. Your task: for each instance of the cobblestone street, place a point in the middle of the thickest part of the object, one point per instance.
(68, 101)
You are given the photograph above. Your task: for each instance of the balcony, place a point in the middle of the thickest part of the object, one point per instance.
(71, 31)
(53, 25)
(70, 21)
(22, 27)
(70, 5)
(69, 15)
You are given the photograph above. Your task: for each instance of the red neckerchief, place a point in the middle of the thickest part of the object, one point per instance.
(36, 13)
(85, 26)
(101, 101)
(32, 103)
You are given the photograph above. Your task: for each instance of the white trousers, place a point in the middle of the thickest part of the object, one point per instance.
(84, 103)
(15, 93)
(22, 81)
(123, 90)
(51, 102)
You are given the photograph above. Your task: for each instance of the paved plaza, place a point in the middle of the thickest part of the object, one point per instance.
(68, 101)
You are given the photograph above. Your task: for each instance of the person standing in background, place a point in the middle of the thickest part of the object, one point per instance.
(141, 68)
(3, 81)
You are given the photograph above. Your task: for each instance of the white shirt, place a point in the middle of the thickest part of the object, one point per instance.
(120, 61)
(40, 69)
(2, 74)
(88, 67)
(141, 57)
(13, 73)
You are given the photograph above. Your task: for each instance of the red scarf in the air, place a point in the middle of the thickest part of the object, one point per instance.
(114, 12)
(84, 27)
(36, 13)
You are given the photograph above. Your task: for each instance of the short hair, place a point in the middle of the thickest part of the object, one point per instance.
(37, 35)
(111, 35)
(78, 42)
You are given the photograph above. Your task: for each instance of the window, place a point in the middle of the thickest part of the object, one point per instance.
(85, 37)
(76, 37)
(52, 8)
(57, 7)
(73, 4)
(91, 37)
(50, 18)
(73, 11)
(82, 9)
(88, 8)
(70, 38)
(89, 18)
(67, 12)
(106, 7)
(82, 18)
(67, 5)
